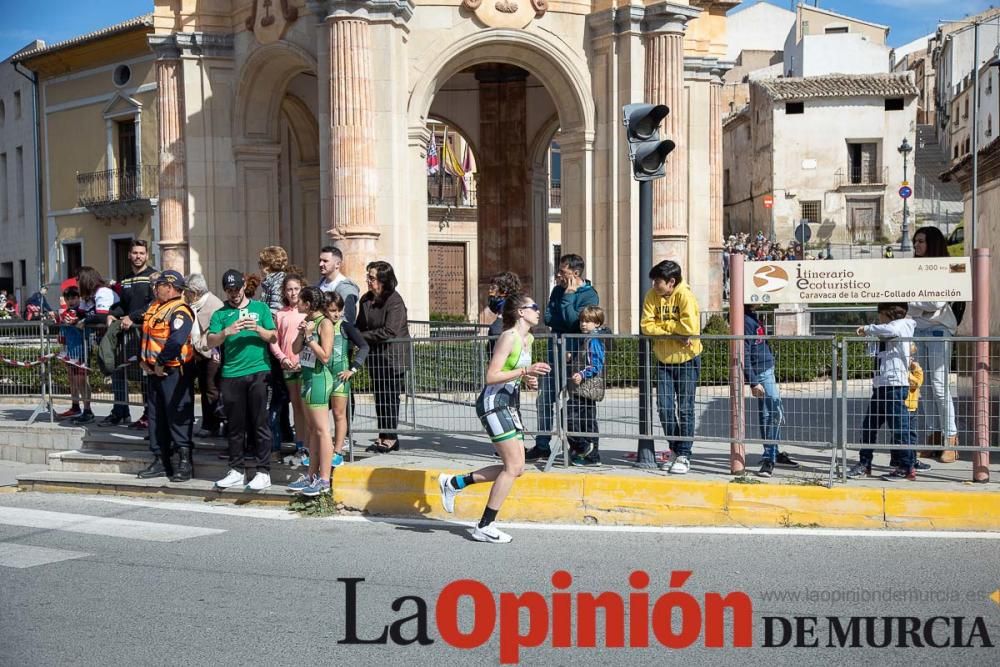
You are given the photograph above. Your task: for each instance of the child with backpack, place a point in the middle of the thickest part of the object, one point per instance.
(890, 387)
(585, 368)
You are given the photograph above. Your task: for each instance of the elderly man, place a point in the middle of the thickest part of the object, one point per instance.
(166, 354)
(207, 361)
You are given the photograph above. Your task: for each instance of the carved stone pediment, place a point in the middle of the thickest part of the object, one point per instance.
(507, 13)
(270, 18)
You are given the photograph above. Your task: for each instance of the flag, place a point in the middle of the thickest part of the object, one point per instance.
(432, 157)
(450, 162)
(468, 167)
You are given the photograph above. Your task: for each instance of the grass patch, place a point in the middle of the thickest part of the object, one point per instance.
(746, 478)
(812, 480)
(321, 505)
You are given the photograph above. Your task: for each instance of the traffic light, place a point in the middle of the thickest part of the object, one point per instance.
(647, 151)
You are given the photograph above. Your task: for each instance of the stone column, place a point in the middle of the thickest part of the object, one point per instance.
(664, 26)
(505, 239)
(353, 182)
(173, 191)
(715, 240)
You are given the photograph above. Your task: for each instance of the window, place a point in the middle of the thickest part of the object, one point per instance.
(120, 264)
(955, 156)
(989, 126)
(17, 104)
(24, 272)
(19, 180)
(836, 30)
(894, 104)
(989, 83)
(122, 75)
(556, 254)
(965, 108)
(3, 113)
(725, 185)
(72, 259)
(810, 211)
(795, 108)
(862, 160)
(3, 186)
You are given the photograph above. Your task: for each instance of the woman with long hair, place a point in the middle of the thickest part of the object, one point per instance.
(314, 345)
(936, 320)
(98, 307)
(287, 321)
(382, 318)
(509, 366)
(343, 368)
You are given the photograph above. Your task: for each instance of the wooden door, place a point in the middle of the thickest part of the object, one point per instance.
(448, 277)
(863, 218)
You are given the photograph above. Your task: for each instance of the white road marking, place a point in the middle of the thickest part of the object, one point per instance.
(22, 556)
(94, 525)
(690, 530)
(205, 508)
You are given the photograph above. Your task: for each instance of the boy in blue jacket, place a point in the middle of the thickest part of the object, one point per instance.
(758, 369)
(585, 363)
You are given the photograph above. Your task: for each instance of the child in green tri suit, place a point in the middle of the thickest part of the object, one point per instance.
(509, 366)
(314, 345)
(342, 368)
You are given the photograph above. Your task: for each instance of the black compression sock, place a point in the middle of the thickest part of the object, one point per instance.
(489, 516)
(461, 481)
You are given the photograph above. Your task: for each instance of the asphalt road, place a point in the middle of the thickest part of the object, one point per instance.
(99, 580)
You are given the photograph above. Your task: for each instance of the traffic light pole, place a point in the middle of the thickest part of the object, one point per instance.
(645, 456)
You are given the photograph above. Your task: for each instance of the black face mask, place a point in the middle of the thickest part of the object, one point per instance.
(496, 304)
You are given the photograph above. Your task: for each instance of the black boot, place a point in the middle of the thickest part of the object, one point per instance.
(184, 469)
(154, 469)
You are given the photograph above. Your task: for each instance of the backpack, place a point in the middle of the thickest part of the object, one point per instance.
(107, 349)
(958, 309)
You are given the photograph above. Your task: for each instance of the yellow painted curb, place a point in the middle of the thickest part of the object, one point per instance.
(635, 500)
(784, 505)
(944, 510)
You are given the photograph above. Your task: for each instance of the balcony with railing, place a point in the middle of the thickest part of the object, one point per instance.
(118, 193)
(446, 190)
(555, 196)
(856, 178)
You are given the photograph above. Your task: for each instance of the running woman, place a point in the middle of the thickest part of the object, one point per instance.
(342, 368)
(509, 366)
(314, 345)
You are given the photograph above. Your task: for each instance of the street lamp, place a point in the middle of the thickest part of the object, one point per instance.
(904, 244)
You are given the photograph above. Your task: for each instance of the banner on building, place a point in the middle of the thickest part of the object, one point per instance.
(858, 281)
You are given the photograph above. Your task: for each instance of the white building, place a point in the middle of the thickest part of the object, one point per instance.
(757, 27)
(825, 149)
(18, 194)
(824, 42)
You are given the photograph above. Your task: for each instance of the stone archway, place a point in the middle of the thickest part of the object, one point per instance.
(565, 82)
(276, 147)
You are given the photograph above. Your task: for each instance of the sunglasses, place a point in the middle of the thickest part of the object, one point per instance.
(533, 306)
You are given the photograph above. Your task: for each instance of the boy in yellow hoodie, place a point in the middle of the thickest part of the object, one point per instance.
(670, 309)
(916, 378)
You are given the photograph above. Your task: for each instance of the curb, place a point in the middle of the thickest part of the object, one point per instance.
(620, 500)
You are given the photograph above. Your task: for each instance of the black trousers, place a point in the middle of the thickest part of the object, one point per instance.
(208, 383)
(170, 410)
(244, 400)
(388, 385)
(581, 416)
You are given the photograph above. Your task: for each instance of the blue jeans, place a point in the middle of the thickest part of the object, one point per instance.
(548, 388)
(676, 385)
(770, 413)
(888, 405)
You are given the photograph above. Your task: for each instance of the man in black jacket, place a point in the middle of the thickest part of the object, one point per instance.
(136, 293)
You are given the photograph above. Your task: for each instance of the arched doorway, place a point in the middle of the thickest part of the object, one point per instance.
(510, 94)
(277, 153)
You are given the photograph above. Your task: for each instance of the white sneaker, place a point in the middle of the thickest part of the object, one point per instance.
(234, 478)
(260, 481)
(448, 492)
(490, 534)
(680, 466)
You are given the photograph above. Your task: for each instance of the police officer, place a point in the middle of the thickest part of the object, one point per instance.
(166, 358)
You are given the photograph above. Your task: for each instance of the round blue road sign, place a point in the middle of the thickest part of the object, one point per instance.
(905, 192)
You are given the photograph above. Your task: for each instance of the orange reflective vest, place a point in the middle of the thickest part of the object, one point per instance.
(156, 327)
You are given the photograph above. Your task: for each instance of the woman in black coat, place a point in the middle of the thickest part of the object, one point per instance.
(381, 318)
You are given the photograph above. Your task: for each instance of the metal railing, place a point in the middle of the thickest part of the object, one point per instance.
(443, 189)
(819, 399)
(858, 176)
(117, 185)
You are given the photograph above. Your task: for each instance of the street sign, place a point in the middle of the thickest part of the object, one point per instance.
(768, 201)
(803, 233)
(905, 192)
